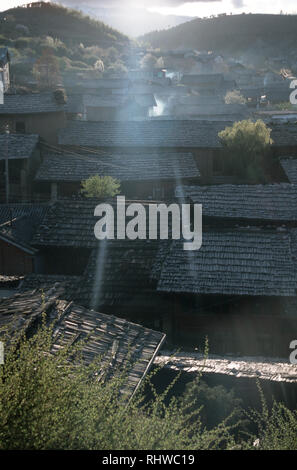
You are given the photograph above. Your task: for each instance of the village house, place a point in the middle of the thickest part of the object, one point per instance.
(34, 113)
(114, 339)
(289, 165)
(207, 84)
(169, 136)
(142, 176)
(23, 155)
(4, 69)
(199, 137)
(18, 223)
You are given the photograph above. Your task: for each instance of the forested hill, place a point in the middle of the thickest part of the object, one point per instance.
(227, 33)
(49, 19)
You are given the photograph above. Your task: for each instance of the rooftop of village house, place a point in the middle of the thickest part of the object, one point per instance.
(125, 167)
(267, 203)
(17, 146)
(31, 103)
(121, 344)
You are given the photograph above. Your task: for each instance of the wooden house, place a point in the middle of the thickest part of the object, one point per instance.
(142, 176)
(23, 155)
(183, 136)
(289, 165)
(116, 340)
(34, 113)
(18, 224)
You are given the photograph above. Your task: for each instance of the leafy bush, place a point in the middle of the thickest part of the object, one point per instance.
(246, 145)
(100, 186)
(234, 97)
(49, 402)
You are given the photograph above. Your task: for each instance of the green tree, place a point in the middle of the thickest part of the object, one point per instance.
(100, 186)
(246, 146)
(148, 62)
(234, 97)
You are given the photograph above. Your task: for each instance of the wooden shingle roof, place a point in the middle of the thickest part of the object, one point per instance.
(32, 103)
(119, 342)
(271, 202)
(131, 167)
(289, 165)
(17, 146)
(161, 133)
(238, 262)
(19, 222)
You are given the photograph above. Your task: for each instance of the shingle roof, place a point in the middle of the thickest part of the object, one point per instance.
(271, 202)
(290, 168)
(119, 342)
(202, 79)
(30, 104)
(18, 223)
(161, 133)
(237, 262)
(17, 145)
(68, 223)
(124, 275)
(70, 284)
(142, 134)
(131, 167)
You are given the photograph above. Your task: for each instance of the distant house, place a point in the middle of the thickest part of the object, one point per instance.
(272, 204)
(118, 107)
(169, 136)
(18, 223)
(289, 165)
(34, 113)
(4, 68)
(142, 175)
(207, 84)
(111, 337)
(23, 156)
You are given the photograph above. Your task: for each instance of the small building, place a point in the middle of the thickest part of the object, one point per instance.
(273, 204)
(4, 69)
(142, 176)
(200, 138)
(18, 224)
(23, 154)
(289, 165)
(34, 113)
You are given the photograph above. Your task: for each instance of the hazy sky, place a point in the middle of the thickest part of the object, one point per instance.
(191, 8)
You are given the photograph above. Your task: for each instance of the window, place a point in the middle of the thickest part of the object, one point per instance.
(20, 127)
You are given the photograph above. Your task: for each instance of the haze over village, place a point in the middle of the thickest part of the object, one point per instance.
(169, 105)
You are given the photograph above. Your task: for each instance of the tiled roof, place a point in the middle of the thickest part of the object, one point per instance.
(290, 168)
(271, 202)
(131, 167)
(17, 145)
(161, 133)
(19, 222)
(30, 104)
(47, 281)
(121, 344)
(119, 273)
(238, 262)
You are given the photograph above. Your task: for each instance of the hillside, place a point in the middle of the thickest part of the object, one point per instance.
(49, 19)
(232, 33)
(76, 41)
